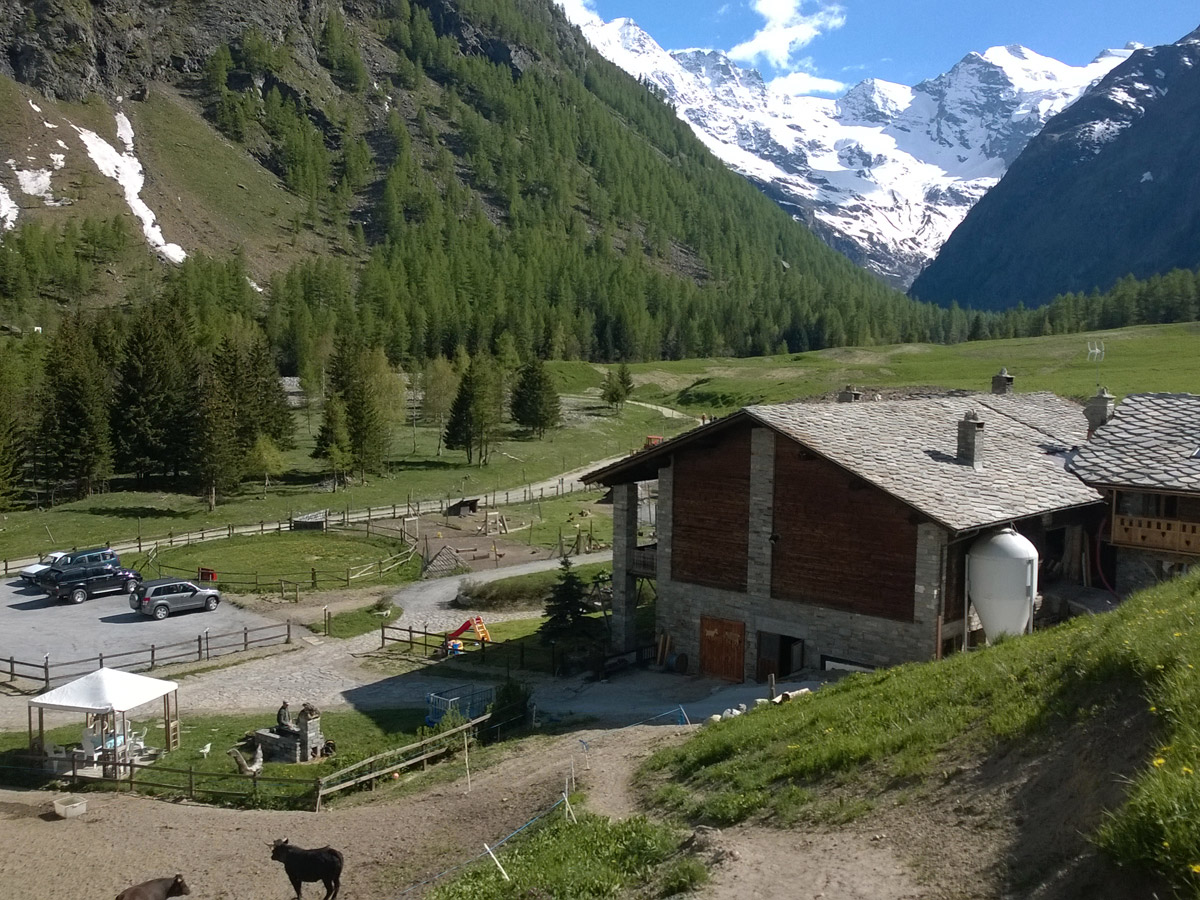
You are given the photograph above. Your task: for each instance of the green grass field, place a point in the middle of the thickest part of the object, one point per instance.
(255, 563)
(1149, 358)
(594, 433)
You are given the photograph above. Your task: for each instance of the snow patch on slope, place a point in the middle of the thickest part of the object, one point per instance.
(8, 210)
(126, 170)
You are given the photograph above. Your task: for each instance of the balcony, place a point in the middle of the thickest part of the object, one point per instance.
(1171, 535)
(643, 562)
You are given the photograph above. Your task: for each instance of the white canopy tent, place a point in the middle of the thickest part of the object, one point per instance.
(103, 695)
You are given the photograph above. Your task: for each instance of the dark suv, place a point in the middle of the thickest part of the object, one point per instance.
(79, 583)
(160, 597)
(75, 558)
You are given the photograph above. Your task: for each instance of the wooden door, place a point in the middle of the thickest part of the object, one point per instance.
(722, 648)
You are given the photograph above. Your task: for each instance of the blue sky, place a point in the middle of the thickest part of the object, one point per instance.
(821, 45)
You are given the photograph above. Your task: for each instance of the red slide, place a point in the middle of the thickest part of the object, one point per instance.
(465, 625)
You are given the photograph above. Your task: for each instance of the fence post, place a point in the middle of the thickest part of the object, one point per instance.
(289, 632)
(382, 636)
(191, 782)
(207, 646)
(199, 647)
(46, 669)
(6, 564)
(261, 526)
(245, 637)
(171, 538)
(347, 576)
(152, 656)
(12, 669)
(314, 578)
(256, 581)
(100, 661)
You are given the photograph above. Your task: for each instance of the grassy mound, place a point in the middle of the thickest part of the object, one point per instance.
(905, 724)
(596, 858)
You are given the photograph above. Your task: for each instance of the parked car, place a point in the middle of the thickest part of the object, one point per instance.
(79, 583)
(32, 571)
(74, 558)
(160, 597)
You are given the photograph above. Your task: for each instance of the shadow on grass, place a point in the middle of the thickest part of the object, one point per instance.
(138, 512)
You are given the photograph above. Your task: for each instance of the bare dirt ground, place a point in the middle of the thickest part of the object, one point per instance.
(1010, 827)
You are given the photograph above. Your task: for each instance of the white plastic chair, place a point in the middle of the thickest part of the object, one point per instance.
(204, 751)
(137, 742)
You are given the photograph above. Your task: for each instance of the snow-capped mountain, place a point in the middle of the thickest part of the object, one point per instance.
(887, 171)
(1109, 187)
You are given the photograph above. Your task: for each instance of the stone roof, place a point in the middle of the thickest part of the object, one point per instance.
(1152, 442)
(909, 449)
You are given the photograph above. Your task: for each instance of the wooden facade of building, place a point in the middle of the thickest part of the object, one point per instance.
(834, 535)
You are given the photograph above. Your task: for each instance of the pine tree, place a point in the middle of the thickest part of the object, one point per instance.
(566, 607)
(74, 435)
(612, 393)
(625, 379)
(333, 440)
(535, 401)
(216, 458)
(460, 426)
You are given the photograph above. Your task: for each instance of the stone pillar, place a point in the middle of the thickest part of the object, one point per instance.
(624, 584)
(928, 588)
(311, 739)
(762, 513)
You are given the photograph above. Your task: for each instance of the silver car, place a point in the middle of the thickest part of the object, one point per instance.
(162, 596)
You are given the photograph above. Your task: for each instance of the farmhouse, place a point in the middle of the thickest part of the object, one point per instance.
(829, 535)
(1145, 456)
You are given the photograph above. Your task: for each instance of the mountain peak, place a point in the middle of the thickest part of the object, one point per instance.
(883, 173)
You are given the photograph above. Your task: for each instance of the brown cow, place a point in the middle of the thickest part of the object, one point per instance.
(156, 889)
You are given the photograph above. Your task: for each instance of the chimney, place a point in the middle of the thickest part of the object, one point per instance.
(1002, 383)
(849, 395)
(1099, 410)
(970, 440)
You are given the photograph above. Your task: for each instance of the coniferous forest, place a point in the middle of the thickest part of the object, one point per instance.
(489, 189)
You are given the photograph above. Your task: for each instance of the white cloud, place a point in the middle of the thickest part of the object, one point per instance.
(788, 28)
(796, 84)
(580, 12)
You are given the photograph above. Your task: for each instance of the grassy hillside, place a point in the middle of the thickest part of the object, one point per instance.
(1100, 714)
(1145, 358)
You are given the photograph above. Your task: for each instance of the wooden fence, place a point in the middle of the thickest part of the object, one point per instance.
(205, 646)
(293, 582)
(333, 518)
(390, 761)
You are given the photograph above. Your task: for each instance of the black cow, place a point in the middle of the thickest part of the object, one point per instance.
(324, 865)
(156, 889)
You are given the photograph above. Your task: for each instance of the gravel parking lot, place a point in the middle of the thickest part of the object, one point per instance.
(32, 625)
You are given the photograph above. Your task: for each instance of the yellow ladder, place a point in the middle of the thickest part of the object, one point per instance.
(481, 630)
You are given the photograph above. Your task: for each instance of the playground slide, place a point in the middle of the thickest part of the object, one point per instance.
(470, 623)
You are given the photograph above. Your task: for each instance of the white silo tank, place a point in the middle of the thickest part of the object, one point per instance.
(1002, 581)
